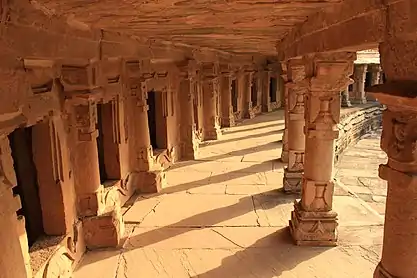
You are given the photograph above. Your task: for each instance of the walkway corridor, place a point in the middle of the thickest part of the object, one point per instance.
(224, 215)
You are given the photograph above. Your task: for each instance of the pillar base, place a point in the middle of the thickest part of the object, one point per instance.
(149, 182)
(90, 204)
(313, 228)
(359, 101)
(228, 121)
(266, 108)
(211, 134)
(380, 272)
(346, 104)
(103, 231)
(292, 181)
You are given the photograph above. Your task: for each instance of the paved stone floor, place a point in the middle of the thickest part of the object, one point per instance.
(224, 215)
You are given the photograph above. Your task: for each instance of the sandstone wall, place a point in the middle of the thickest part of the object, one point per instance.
(356, 122)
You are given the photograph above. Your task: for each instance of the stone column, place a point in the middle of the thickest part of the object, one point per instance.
(296, 87)
(284, 153)
(210, 86)
(188, 140)
(313, 222)
(266, 101)
(399, 141)
(248, 87)
(375, 71)
(359, 76)
(345, 98)
(86, 165)
(227, 119)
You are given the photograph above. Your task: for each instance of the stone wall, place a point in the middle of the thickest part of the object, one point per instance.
(355, 122)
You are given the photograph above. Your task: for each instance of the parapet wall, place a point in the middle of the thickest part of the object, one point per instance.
(355, 122)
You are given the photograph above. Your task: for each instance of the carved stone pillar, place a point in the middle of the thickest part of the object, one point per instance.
(375, 71)
(210, 86)
(297, 87)
(249, 112)
(86, 165)
(266, 100)
(345, 102)
(139, 143)
(227, 118)
(189, 143)
(313, 222)
(359, 76)
(284, 153)
(399, 141)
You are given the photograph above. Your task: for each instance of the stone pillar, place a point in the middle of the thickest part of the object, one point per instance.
(284, 153)
(399, 141)
(86, 165)
(375, 71)
(210, 86)
(227, 119)
(345, 102)
(266, 100)
(188, 146)
(296, 87)
(359, 76)
(313, 222)
(248, 79)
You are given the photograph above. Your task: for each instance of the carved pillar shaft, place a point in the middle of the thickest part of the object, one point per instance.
(266, 100)
(227, 119)
(375, 78)
(249, 113)
(345, 102)
(284, 153)
(296, 87)
(211, 129)
(313, 222)
(359, 76)
(139, 139)
(188, 146)
(399, 141)
(86, 164)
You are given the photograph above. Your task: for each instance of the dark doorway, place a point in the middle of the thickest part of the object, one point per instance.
(107, 143)
(368, 79)
(254, 92)
(157, 119)
(272, 89)
(152, 118)
(27, 183)
(234, 95)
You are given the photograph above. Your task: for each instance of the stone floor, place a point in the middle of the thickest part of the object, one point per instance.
(224, 215)
(357, 170)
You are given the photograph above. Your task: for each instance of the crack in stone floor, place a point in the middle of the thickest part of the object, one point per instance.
(224, 215)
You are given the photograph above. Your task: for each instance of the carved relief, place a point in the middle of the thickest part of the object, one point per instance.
(85, 121)
(399, 136)
(81, 77)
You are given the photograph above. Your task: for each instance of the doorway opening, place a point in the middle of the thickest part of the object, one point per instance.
(368, 79)
(234, 95)
(27, 183)
(108, 142)
(157, 120)
(254, 92)
(273, 89)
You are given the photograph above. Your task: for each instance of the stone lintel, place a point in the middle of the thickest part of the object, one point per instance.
(313, 228)
(396, 93)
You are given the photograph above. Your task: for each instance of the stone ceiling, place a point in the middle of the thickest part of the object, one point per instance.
(234, 26)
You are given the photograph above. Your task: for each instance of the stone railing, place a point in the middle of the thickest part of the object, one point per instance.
(355, 122)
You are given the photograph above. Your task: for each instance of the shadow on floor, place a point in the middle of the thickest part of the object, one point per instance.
(240, 152)
(256, 135)
(232, 130)
(270, 262)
